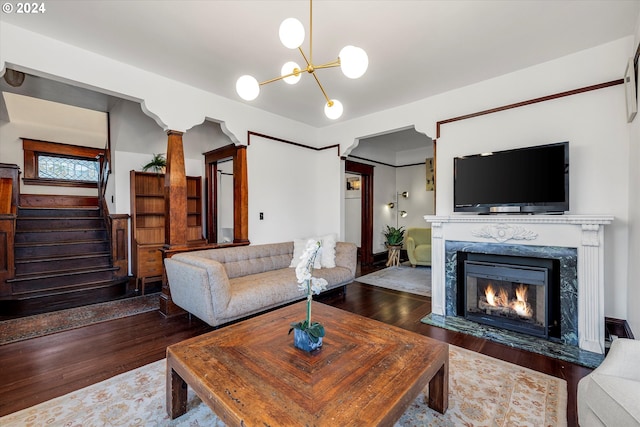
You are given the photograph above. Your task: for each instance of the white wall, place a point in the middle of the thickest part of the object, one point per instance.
(420, 201)
(633, 287)
(296, 188)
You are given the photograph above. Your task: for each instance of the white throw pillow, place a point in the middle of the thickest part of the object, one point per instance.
(298, 250)
(326, 255)
(299, 245)
(328, 250)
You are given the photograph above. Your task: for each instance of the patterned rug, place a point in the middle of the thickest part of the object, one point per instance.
(401, 278)
(482, 391)
(49, 323)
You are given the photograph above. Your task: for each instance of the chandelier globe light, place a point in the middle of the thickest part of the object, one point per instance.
(352, 60)
(289, 69)
(333, 109)
(291, 33)
(248, 88)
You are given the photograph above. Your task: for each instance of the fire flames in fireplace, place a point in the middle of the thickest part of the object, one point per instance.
(498, 302)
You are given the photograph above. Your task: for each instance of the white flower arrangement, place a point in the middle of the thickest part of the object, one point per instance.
(311, 285)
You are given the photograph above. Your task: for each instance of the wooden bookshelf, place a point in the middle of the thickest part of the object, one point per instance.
(148, 222)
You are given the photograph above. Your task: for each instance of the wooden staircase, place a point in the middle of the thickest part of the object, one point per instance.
(63, 259)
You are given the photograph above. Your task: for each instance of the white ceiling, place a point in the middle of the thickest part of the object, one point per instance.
(416, 48)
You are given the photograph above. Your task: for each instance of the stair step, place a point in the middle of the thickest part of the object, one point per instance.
(42, 236)
(59, 273)
(67, 289)
(61, 258)
(56, 263)
(57, 223)
(37, 282)
(50, 249)
(89, 211)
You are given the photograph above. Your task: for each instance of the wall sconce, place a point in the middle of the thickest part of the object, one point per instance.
(404, 194)
(391, 205)
(403, 214)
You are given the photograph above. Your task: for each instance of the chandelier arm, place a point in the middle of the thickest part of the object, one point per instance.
(331, 64)
(310, 34)
(275, 79)
(321, 88)
(305, 57)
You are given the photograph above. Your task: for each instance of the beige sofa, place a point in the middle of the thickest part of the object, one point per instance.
(226, 284)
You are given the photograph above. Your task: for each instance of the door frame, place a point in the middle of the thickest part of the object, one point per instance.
(366, 200)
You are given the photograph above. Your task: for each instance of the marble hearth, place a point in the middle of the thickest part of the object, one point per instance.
(576, 240)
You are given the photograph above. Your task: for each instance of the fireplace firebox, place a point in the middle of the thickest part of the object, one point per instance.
(520, 294)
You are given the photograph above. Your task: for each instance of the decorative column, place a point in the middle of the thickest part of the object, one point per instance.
(240, 197)
(590, 289)
(175, 212)
(175, 194)
(438, 293)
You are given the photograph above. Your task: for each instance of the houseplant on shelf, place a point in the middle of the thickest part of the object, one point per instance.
(157, 164)
(308, 335)
(394, 238)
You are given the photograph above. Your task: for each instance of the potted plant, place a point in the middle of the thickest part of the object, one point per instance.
(157, 164)
(394, 236)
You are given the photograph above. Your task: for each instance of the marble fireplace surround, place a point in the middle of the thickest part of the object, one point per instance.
(511, 234)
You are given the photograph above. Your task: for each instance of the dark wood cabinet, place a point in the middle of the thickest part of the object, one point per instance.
(148, 222)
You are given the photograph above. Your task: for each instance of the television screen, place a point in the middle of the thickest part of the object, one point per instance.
(524, 180)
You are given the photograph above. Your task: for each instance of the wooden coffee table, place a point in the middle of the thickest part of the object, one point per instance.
(250, 374)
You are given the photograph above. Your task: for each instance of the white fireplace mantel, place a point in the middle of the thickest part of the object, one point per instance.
(584, 232)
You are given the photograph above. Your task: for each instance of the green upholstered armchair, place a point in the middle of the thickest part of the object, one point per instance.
(418, 243)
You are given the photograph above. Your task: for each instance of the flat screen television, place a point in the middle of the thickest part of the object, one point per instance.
(524, 180)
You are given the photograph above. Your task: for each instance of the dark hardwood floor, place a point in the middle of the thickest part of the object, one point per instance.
(40, 369)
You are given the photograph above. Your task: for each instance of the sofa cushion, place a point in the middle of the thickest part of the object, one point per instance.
(245, 260)
(258, 292)
(423, 252)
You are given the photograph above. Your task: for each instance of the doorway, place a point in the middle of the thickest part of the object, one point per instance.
(403, 161)
(365, 172)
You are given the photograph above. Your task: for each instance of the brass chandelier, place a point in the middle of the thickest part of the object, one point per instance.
(353, 62)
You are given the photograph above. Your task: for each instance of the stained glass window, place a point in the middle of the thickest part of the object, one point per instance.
(67, 168)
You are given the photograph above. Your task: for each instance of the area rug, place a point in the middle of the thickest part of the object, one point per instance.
(49, 323)
(401, 278)
(482, 391)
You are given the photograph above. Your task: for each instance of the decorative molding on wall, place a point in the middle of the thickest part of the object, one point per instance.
(504, 232)
(297, 144)
(528, 102)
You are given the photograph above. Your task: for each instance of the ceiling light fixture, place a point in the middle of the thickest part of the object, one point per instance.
(353, 62)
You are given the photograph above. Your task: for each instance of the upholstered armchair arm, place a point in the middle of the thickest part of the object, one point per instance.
(347, 256)
(199, 285)
(411, 248)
